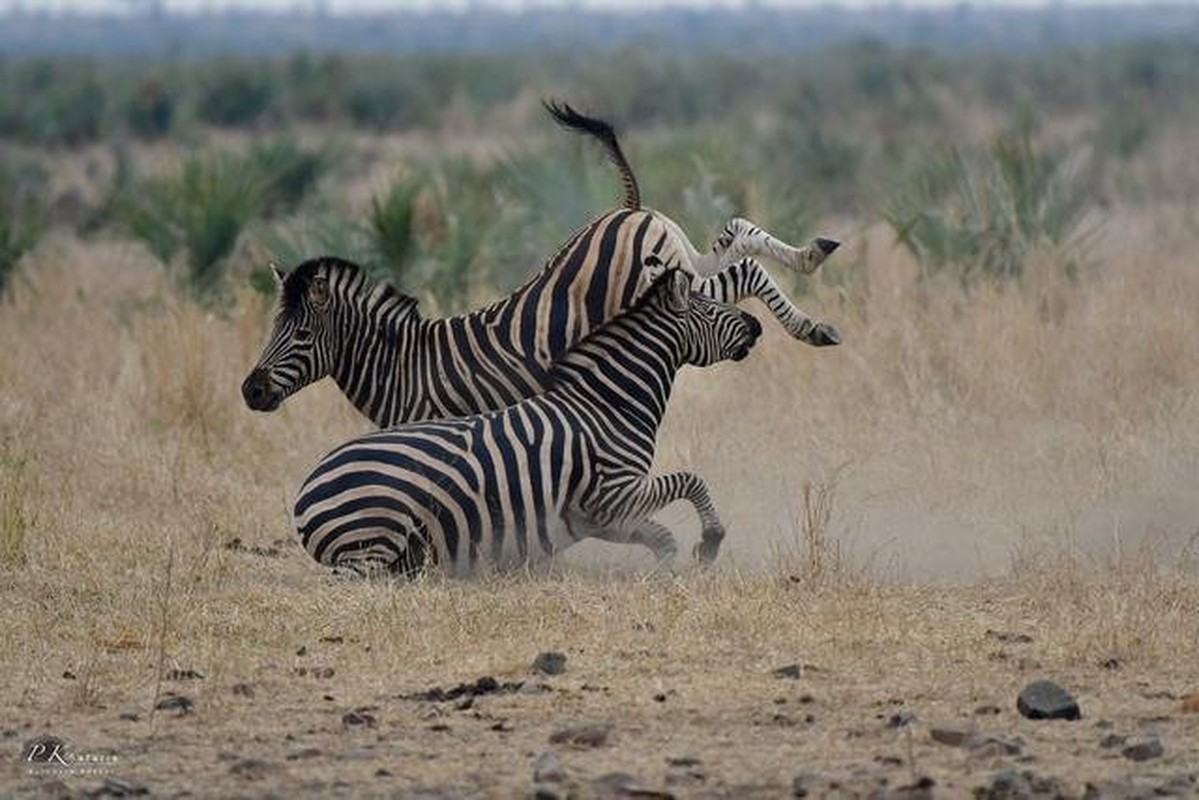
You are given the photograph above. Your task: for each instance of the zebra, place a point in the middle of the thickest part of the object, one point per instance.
(395, 366)
(515, 486)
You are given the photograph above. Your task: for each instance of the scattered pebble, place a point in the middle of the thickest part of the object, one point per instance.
(1008, 637)
(322, 672)
(1046, 700)
(118, 787)
(587, 735)
(1144, 751)
(128, 716)
(355, 719)
(183, 675)
(67, 675)
(901, 719)
(548, 767)
(251, 769)
(175, 702)
(243, 690)
(1190, 704)
(483, 686)
(550, 663)
(1112, 740)
(790, 671)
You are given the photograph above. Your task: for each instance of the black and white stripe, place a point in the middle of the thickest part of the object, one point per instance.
(520, 484)
(395, 366)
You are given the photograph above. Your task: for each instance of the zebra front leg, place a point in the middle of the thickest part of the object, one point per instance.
(748, 278)
(654, 494)
(741, 238)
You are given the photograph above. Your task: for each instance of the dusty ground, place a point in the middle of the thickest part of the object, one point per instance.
(678, 675)
(1019, 460)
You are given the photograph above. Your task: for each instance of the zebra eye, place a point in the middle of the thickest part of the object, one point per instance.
(302, 335)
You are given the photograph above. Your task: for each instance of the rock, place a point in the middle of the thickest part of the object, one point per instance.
(119, 787)
(1111, 663)
(547, 767)
(790, 671)
(951, 737)
(1046, 700)
(1190, 704)
(621, 784)
(175, 702)
(331, 639)
(901, 719)
(919, 789)
(243, 690)
(323, 672)
(128, 716)
(483, 686)
(1006, 785)
(1112, 740)
(550, 663)
(306, 753)
(805, 784)
(67, 675)
(589, 735)
(251, 769)
(1007, 637)
(1144, 751)
(987, 711)
(183, 675)
(359, 719)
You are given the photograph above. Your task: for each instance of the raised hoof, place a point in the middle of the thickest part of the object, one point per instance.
(709, 546)
(824, 335)
(827, 246)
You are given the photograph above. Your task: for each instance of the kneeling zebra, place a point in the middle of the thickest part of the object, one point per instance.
(518, 485)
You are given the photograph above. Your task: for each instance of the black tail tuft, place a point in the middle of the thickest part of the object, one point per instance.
(572, 120)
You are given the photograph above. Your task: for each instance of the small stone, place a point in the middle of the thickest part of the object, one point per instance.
(358, 719)
(303, 755)
(1112, 740)
(175, 702)
(183, 675)
(67, 675)
(951, 737)
(1007, 637)
(120, 787)
(1046, 700)
(660, 697)
(128, 716)
(548, 767)
(901, 719)
(382, 773)
(1006, 785)
(251, 769)
(1190, 704)
(332, 639)
(790, 672)
(592, 735)
(987, 711)
(243, 690)
(302, 651)
(804, 784)
(1111, 663)
(550, 663)
(1144, 751)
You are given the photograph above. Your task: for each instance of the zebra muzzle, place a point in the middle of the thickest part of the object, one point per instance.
(258, 392)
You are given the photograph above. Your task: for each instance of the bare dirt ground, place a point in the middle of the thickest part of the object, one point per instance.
(967, 470)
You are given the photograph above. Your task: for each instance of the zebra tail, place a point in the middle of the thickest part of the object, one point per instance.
(572, 120)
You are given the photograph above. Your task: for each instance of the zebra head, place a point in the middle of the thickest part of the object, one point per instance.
(305, 342)
(711, 331)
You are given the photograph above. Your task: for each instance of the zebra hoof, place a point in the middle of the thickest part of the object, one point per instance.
(824, 335)
(709, 546)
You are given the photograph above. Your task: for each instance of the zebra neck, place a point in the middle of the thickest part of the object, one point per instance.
(625, 368)
(374, 368)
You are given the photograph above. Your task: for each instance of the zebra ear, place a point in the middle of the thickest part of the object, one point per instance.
(678, 291)
(279, 273)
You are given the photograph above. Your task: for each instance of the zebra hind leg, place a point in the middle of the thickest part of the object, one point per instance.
(657, 538)
(741, 238)
(657, 493)
(748, 278)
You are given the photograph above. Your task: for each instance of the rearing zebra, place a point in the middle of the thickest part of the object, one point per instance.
(511, 486)
(396, 367)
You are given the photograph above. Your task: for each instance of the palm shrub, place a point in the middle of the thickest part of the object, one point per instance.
(985, 215)
(21, 220)
(199, 213)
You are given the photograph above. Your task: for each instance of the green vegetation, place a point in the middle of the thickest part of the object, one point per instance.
(862, 132)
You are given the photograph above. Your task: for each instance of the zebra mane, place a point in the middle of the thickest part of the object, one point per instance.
(295, 285)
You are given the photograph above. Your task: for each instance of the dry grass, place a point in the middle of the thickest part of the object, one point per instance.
(1017, 459)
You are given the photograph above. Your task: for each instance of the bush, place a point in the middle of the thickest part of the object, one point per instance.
(988, 215)
(21, 218)
(234, 93)
(288, 173)
(201, 212)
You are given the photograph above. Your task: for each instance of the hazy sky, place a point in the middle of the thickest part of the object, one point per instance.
(376, 5)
